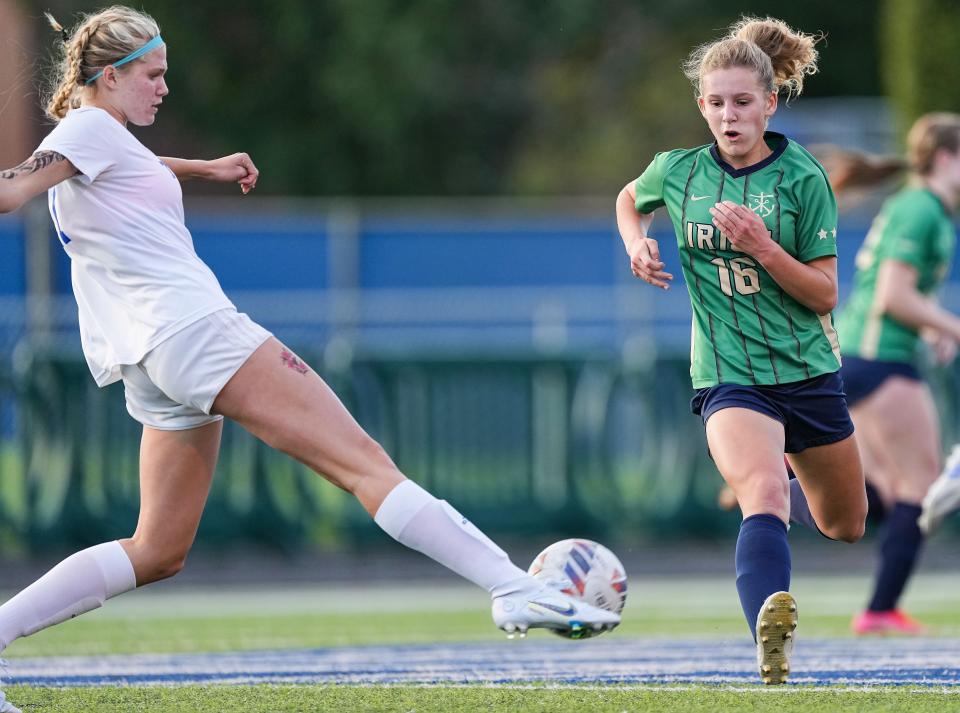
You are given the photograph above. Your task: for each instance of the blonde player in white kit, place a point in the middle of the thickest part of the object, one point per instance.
(153, 315)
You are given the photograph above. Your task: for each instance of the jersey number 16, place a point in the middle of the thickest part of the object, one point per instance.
(745, 278)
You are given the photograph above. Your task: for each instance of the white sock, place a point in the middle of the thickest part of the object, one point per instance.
(83, 581)
(413, 517)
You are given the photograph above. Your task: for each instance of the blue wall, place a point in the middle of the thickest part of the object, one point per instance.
(12, 270)
(277, 252)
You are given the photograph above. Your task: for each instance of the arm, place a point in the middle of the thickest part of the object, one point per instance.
(813, 284)
(236, 167)
(643, 251)
(185, 169)
(898, 296)
(41, 171)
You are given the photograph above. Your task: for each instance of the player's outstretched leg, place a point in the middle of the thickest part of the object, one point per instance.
(943, 497)
(279, 399)
(417, 519)
(776, 626)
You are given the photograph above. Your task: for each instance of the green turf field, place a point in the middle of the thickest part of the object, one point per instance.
(409, 699)
(169, 618)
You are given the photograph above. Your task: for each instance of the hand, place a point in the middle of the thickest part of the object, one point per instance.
(645, 262)
(944, 346)
(744, 228)
(236, 167)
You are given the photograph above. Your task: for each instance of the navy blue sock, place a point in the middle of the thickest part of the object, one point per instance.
(876, 509)
(899, 552)
(763, 563)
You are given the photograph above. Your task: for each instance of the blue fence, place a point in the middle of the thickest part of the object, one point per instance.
(507, 359)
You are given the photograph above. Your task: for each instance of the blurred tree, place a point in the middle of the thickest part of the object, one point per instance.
(434, 97)
(919, 60)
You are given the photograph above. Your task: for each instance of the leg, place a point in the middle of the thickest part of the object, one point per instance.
(904, 418)
(283, 402)
(832, 481)
(293, 410)
(747, 447)
(902, 415)
(176, 470)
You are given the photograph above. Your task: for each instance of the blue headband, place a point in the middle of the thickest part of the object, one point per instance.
(137, 54)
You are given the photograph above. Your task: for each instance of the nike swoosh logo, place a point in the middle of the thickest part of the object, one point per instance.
(569, 611)
(698, 198)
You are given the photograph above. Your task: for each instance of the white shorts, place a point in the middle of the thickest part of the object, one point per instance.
(174, 385)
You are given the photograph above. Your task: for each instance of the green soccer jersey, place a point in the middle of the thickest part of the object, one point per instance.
(746, 329)
(912, 227)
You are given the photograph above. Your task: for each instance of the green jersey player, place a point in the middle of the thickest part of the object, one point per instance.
(903, 260)
(755, 223)
(746, 328)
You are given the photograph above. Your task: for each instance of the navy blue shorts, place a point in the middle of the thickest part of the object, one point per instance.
(813, 411)
(861, 377)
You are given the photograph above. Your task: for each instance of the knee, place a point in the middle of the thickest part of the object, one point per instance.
(849, 528)
(762, 492)
(913, 485)
(845, 532)
(170, 566)
(372, 451)
(365, 459)
(153, 565)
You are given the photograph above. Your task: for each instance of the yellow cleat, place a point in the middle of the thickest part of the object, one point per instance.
(778, 620)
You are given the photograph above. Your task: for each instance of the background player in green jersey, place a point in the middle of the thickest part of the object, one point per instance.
(904, 258)
(755, 222)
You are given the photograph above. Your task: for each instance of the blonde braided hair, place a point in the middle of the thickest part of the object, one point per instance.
(100, 39)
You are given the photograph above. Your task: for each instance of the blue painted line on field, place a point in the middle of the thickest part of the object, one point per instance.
(613, 661)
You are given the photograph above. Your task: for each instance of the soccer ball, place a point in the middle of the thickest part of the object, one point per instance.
(584, 570)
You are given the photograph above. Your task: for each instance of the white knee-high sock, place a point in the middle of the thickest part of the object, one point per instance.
(81, 582)
(413, 517)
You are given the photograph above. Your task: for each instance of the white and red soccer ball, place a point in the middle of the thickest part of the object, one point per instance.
(585, 570)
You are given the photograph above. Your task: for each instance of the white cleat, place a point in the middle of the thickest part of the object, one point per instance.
(547, 608)
(776, 624)
(943, 497)
(5, 705)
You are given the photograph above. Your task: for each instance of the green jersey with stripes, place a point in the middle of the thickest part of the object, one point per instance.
(912, 227)
(746, 329)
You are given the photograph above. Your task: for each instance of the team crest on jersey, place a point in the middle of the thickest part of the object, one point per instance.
(761, 203)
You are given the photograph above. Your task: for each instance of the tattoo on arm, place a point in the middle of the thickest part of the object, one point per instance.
(291, 361)
(39, 160)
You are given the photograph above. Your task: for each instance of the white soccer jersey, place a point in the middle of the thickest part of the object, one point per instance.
(136, 275)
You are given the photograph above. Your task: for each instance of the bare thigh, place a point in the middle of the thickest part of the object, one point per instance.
(904, 429)
(747, 447)
(832, 480)
(280, 400)
(176, 470)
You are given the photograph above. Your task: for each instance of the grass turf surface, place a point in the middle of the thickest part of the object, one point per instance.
(251, 699)
(173, 619)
